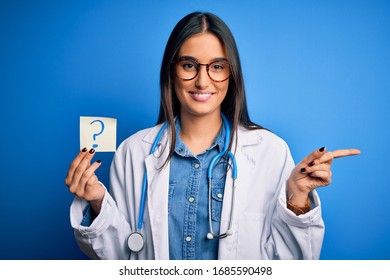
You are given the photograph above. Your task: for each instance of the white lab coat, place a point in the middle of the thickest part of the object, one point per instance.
(263, 228)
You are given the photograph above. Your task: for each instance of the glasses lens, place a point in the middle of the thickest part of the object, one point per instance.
(188, 69)
(219, 70)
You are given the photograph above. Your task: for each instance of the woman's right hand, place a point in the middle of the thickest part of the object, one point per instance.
(82, 181)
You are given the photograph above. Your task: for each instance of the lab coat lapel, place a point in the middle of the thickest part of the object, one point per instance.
(157, 195)
(245, 166)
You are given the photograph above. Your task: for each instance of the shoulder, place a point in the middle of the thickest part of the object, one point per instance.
(263, 146)
(259, 136)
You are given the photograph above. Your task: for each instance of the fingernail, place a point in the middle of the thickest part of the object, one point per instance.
(91, 151)
(322, 149)
(84, 149)
(98, 161)
(303, 170)
(311, 163)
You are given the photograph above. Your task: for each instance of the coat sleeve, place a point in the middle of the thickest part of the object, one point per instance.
(106, 236)
(291, 236)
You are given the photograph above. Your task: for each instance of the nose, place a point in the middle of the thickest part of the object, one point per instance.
(202, 79)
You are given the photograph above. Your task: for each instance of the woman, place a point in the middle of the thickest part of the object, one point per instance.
(276, 212)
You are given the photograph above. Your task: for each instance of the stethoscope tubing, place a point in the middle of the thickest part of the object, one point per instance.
(212, 235)
(137, 238)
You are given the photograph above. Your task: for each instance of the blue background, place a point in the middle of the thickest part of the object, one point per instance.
(317, 73)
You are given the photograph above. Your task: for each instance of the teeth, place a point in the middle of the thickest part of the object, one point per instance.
(201, 96)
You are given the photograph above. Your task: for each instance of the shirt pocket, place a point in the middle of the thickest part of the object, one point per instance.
(216, 201)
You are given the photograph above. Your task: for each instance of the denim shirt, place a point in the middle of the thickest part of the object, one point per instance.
(188, 219)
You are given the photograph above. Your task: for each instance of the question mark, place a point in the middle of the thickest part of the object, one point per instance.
(97, 134)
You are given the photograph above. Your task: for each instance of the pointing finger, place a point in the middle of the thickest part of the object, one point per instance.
(346, 152)
(329, 156)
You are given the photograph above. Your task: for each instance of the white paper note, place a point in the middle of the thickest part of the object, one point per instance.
(98, 133)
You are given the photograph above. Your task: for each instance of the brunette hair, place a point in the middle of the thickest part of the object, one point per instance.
(234, 105)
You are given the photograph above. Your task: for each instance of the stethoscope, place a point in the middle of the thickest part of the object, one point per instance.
(136, 240)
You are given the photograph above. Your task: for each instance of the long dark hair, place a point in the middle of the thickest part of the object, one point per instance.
(234, 105)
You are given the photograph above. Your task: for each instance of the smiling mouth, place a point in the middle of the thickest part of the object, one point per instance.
(201, 96)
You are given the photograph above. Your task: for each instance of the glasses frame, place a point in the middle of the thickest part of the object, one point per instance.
(198, 65)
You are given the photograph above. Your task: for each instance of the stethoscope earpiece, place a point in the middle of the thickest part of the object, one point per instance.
(210, 236)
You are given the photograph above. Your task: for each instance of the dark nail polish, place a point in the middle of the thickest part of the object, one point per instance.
(98, 161)
(322, 149)
(84, 150)
(303, 170)
(91, 151)
(311, 163)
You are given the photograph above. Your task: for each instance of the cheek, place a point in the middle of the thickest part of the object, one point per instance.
(182, 86)
(180, 90)
(178, 87)
(223, 87)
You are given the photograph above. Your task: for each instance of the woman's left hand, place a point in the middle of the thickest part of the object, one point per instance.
(313, 172)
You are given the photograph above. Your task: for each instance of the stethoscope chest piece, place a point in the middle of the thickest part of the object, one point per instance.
(135, 242)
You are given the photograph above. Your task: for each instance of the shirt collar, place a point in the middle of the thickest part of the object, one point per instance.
(182, 150)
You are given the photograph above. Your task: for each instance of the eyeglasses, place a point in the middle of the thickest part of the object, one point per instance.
(187, 69)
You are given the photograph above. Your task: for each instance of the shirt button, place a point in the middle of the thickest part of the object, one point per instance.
(197, 165)
(219, 195)
(188, 238)
(191, 199)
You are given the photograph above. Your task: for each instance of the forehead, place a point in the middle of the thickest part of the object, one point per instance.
(203, 46)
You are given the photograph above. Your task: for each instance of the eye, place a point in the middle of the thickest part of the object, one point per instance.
(218, 66)
(188, 65)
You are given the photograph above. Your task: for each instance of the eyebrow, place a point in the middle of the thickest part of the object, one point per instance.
(186, 57)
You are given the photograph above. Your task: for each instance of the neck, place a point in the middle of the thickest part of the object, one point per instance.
(199, 132)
